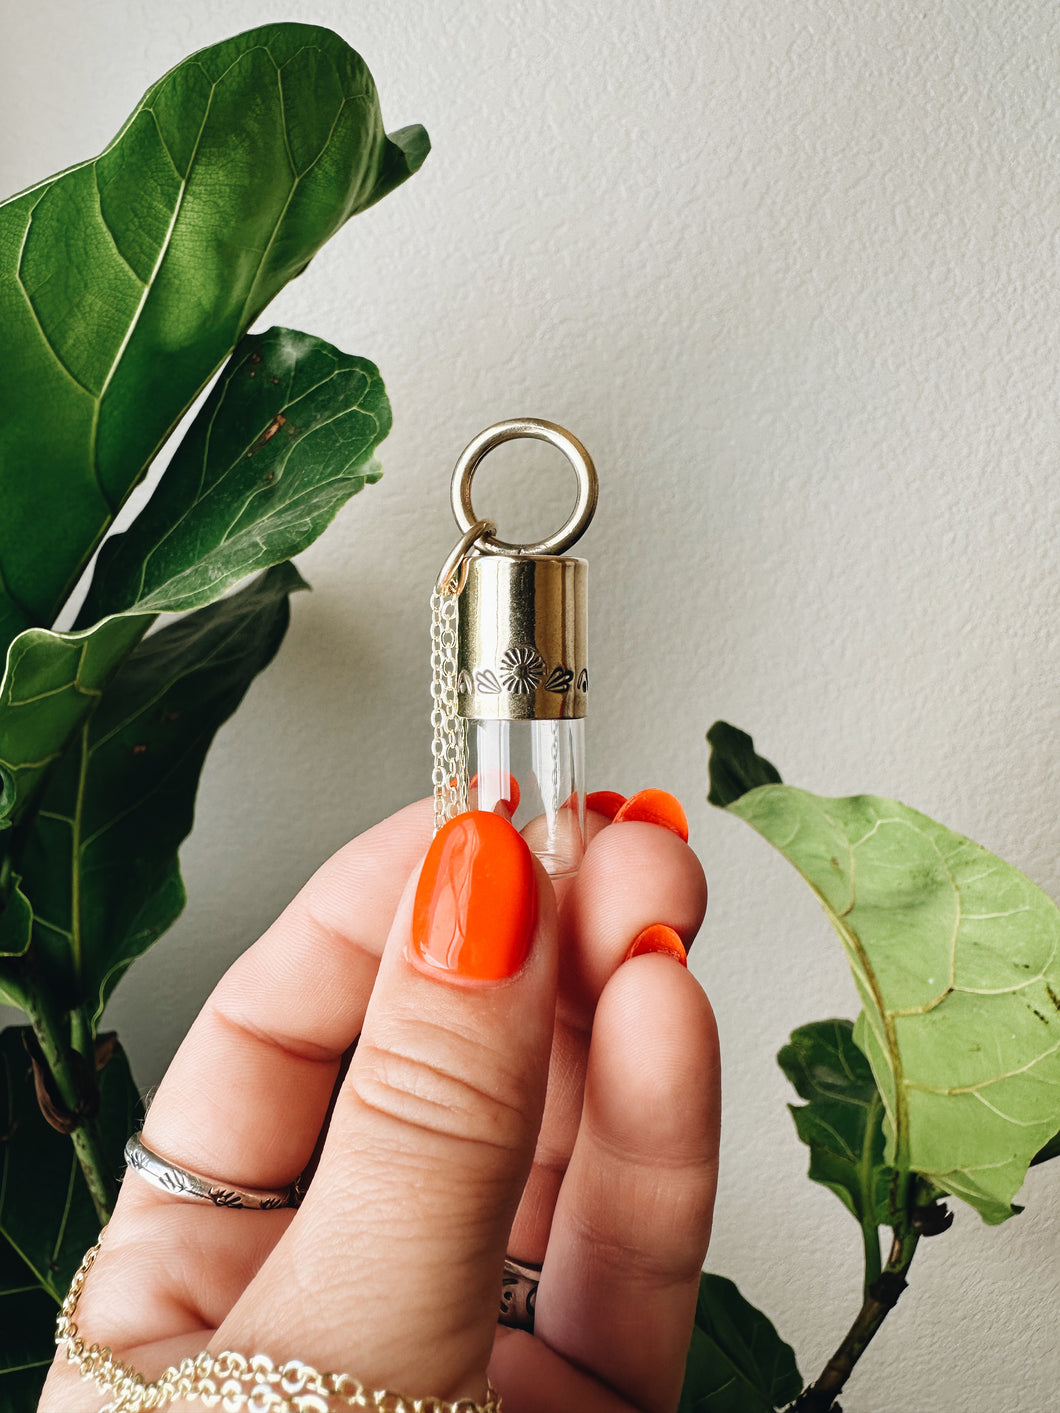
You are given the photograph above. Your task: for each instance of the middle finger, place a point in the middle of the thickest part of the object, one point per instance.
(633, 875)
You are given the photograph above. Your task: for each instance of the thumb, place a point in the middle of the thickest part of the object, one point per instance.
(391, 1270)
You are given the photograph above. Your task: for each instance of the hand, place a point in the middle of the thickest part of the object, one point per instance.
(567, 1114)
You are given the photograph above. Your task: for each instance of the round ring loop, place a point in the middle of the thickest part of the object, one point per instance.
(181, 1182)
(572, 449)
(457, 560)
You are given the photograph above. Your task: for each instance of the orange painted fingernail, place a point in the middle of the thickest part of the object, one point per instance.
(476, 898)
(607, 802)
(655, 807)
(511, 799)
(658, 938)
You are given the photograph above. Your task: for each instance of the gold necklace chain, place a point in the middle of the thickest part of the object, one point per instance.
(449, 743)
(449, 746)
(235, 1382)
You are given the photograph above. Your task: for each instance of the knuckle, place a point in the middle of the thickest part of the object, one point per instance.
(429, 1079)
(662, 1238)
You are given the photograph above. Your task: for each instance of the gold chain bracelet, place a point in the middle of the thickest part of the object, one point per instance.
(233, 1382)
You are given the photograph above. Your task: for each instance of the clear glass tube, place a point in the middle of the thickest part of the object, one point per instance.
(546, 803)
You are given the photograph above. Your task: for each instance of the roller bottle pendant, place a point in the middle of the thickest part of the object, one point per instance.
(521, 669)
(522, 682)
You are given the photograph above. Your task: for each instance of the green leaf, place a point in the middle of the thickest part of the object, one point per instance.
(956, 957)
(1050, 1150)
(842, 1124)
(735, 767)
(47, 1220)
(15, 1275)
(126, 281)
(20, 1391)
(285, 438)
(99, 860)
(27, 1332)
(52, 683)
(737, 1363)
(16, 929)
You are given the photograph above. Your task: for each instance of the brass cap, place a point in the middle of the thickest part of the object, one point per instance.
(523, 638)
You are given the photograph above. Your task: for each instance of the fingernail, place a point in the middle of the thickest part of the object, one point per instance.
(512, 796)
(473, 914)
(602, 801)
(655, 807)
(607, 802)
(658, 938)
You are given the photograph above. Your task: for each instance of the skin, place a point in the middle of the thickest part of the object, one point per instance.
(568, 1115)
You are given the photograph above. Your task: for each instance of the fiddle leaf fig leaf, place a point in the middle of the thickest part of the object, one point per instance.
(52, 683)
(16, 930)
(956, 958)
(27, 1319)
(285, 438)
(735, 766)
(126, 281)
(99, 858)
(737, 1363)
(32, 1345)
(27, 1332)
(842, 1122)
(47, 1219)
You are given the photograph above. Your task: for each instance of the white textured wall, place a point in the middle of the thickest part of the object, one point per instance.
(790, 271)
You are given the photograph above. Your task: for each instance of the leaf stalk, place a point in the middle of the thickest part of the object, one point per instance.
(882, 1296)
(870, 1234)
(75, 1086)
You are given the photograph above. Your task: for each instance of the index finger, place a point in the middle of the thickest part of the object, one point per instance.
(248, 1091)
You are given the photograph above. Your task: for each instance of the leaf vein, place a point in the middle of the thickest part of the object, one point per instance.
(109, 228)
(52, 349)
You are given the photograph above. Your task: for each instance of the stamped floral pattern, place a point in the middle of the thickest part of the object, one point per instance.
(520, 672)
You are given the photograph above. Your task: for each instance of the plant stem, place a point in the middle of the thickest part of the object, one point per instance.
(870, 1234)
(882, 1295)
(80, 1033)
(88, 1146)
(51, 1035)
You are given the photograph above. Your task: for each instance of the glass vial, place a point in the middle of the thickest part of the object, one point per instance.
(534, 772)
(522, 685)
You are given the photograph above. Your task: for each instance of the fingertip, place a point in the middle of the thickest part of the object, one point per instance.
(475, 905)
(655, 807)
(375, 866)
(654, 1081)
(510, 798)
(631, 879)
(660, 939)
(605, 802)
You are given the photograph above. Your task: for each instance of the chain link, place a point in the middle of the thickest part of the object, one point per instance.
(449, 744)
(234, 1382)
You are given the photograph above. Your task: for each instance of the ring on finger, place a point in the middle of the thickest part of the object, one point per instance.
(519, 1295)
(182, 1182)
